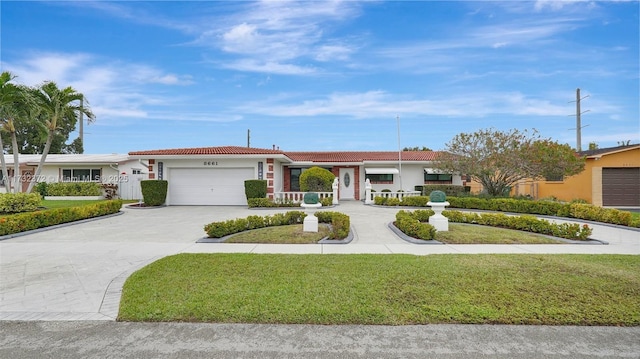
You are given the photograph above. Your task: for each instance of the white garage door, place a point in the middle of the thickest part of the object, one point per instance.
(208, 186)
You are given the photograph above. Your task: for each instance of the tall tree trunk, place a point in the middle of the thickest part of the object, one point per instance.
(17, 176)
(45, 152)
(3, 163)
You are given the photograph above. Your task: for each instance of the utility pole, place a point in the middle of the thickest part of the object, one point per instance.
(249, 138)
(578, 120)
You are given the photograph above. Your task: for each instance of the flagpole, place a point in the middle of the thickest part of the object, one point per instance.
(399, 154)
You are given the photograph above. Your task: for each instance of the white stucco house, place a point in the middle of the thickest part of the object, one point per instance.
(108, 168)
(216, 175)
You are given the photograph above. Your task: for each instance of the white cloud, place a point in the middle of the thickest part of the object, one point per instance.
(380, 104)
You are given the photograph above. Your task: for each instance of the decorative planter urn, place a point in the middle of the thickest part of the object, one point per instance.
(310, 203)
(437, 202)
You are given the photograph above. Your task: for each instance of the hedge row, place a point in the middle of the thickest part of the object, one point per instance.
(269, 203)
(70, 189)
(19, 202)
(20, 222)
(550, 208)
(406, 222)
(340, 223)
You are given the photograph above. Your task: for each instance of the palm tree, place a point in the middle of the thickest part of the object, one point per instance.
(14, 104)
(55, 104)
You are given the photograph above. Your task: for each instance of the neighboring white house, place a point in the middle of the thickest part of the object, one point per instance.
(109, 168)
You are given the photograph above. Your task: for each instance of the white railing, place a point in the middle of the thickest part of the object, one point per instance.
(297, 197)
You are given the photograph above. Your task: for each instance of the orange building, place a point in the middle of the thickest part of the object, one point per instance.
(611, 178)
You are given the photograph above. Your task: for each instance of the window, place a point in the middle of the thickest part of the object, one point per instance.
(294, 179)
(81, 174)
(380, 178)
(554, 178)
(437, 177)
(136, 171)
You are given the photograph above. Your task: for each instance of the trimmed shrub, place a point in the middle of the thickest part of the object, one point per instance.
(316, 179)
(19, 202)
(260, 202)
(21, 222)
(154, 192)
(255, 188)
(340, 223)
(415, 201)
(73, 189)
(327, 201)
(409, 225)
(41, 187)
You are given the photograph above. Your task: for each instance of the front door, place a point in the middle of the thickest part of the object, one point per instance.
(347, 183)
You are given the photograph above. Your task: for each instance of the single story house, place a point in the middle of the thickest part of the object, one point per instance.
(611, 178)
(108, 168)
(216, 175)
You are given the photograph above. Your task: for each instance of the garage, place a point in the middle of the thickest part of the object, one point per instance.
(621, 186)
(208, 186)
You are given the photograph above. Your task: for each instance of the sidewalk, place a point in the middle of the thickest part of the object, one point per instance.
(77, 272)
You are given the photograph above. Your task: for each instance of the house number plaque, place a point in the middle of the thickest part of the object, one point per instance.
(210, 163)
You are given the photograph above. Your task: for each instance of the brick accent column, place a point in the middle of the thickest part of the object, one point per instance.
(269, 176)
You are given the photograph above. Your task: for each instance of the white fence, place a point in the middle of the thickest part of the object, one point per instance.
(297, 197)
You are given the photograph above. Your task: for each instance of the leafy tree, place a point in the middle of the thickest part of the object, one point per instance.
(55, 105)
(499, 159)
(15, 107)
(316, 179)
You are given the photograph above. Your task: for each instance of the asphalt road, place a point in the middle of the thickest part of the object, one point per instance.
(105, 339)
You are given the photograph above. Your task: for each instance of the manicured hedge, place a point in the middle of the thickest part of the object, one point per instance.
(21, 222)
(19, 202)
(340, 223)
(412, 224)
(154, 192)
(448, 189)
(255, 188)
(71, 189)
(550, 208)
(269, 203)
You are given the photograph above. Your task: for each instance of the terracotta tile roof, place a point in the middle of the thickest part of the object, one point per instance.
(310, 156)
(356, 156)
(224, 150)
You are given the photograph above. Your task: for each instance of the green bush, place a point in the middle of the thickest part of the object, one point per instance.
(448, 189)
(409, 223)
(19, 202)
(340, 223)
(415, 201)
(327, 201)
(154, 192)
(260, 202)
(255, 188)
(21, 222)
(73, 189)
(316, 179)
(41, 187)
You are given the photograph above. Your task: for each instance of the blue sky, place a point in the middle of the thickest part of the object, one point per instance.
(332, 75)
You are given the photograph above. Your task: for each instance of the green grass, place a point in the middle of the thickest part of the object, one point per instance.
(476, 234)
(291, 234)
(387, 289)
(49, 204)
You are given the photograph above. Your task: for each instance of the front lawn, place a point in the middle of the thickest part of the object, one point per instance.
(476, 234)
(291, 234)
(387, 289)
